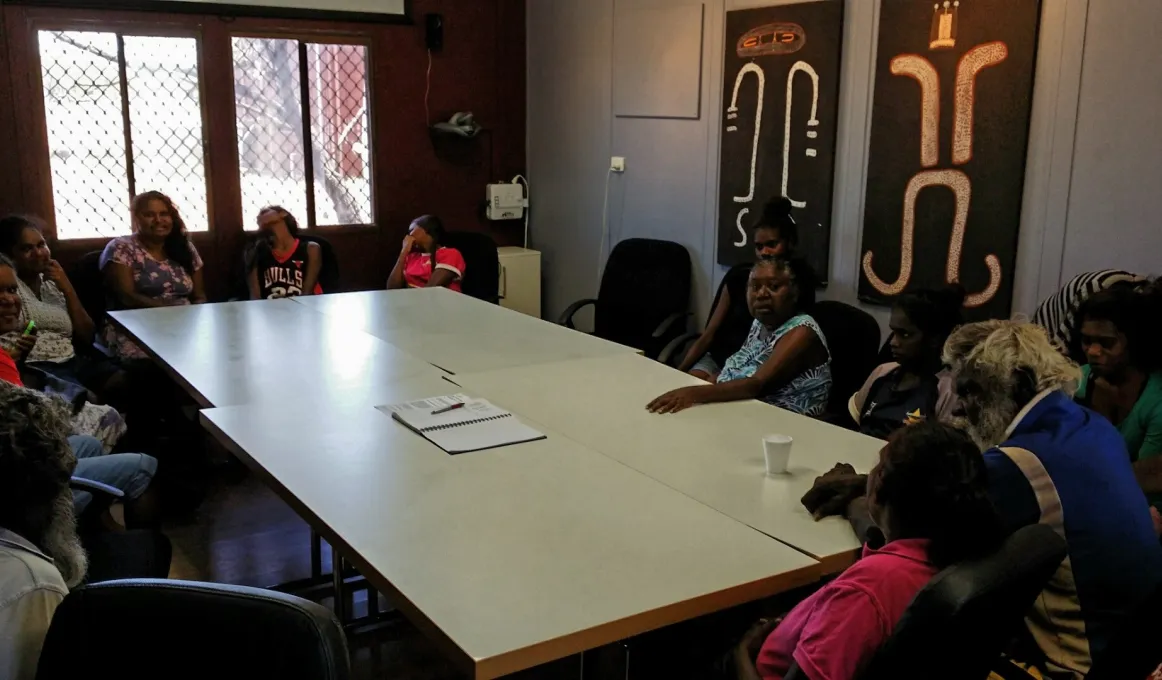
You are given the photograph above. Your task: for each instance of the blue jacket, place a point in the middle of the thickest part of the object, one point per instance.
(1066, 466)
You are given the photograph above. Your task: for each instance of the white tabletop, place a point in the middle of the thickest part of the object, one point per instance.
(712, 453)
(269, 350)
(512, 557)
(456, 332)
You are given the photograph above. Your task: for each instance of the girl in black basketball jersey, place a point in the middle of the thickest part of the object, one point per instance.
(282, 265)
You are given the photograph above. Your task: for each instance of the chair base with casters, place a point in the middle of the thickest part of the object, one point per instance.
(139, 629)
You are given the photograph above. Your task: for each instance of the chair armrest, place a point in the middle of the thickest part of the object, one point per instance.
(567, 315)
(82, 484)
(671, 350)
(664, 328)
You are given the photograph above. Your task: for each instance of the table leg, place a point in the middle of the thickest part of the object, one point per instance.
(340, 593)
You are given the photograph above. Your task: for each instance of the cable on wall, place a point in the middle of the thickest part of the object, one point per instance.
(527, 203)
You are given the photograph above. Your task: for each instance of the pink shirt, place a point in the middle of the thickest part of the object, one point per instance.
(418, 267)
(833, 634)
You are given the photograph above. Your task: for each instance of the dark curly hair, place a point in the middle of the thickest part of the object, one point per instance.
(777, 215)
(933, 481)
(11, 229)
(177, 244)
(1136, 311)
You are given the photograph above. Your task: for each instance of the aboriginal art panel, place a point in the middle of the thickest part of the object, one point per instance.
(949, 136)
(780, 109)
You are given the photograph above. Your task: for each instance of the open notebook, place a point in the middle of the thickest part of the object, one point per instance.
(475, 426)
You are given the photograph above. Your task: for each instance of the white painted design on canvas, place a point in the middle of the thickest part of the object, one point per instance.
(741, 242)
(758, 121)
(800, 66)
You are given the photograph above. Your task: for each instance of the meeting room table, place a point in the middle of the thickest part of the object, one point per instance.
(619, 522)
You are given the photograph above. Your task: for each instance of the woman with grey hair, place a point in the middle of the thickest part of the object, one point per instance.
(40, 554)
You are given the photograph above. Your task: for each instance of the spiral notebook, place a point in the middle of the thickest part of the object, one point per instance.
(475, 426)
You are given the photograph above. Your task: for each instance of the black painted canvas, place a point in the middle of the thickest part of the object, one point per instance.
(949, 137)
(771, 146)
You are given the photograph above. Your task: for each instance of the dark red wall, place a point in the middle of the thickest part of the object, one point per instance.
(480, 69)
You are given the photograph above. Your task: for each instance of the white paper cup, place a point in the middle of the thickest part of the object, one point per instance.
(777, 451)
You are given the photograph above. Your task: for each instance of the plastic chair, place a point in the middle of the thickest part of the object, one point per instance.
(146, 629)
(481, 262)
(644, 297)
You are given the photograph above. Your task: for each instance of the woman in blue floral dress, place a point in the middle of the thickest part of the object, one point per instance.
(784, 361)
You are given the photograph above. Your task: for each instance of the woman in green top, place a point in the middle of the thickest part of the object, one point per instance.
(1123, 376)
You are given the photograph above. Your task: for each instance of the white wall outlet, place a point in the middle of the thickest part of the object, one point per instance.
(617, 164)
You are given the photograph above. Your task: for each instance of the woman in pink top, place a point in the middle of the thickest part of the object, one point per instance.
(927, 496)
(423, 262)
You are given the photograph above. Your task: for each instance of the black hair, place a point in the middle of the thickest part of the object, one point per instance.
(177, 244)
(935, 311)
(934, 483)
(1136, 311)
(777, 215)
(11, 228)
(292, 225)
(435, 228)
(801, 273)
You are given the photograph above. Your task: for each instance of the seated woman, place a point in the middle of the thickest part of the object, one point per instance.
(775, 235)
(47, 298)
(1122, 379)
(929, 501)
(784, 360)
(282, 265)
(129, 472)
(155, 266)
(912, 388)
(423, 262)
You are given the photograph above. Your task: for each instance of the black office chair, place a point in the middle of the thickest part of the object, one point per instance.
(329, 272)
(90, 286)
(1134, 652)
(853, 336)
(644, 297)
(730, 335)
(481, 264)
(146, 629)
(958, 625)
(136, 553)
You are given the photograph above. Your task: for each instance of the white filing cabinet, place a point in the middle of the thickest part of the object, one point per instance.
(520, 280)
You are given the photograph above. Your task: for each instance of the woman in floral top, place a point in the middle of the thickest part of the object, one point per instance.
(784, 361)
(156, 266)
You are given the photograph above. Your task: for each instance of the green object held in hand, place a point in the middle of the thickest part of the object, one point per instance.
(30, 329)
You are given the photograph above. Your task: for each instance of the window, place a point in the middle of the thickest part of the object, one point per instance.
(124, 116)
(302, 111)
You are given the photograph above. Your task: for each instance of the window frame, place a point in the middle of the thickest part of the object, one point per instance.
(121, 29)
(319, 37)
(213, 34)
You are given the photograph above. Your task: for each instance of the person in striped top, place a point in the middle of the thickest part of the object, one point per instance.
(1058, 313)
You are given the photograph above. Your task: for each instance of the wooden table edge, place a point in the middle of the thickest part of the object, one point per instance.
(548, 650)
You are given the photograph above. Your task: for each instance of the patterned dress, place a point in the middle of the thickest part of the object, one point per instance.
(166, 280)
(807, 392)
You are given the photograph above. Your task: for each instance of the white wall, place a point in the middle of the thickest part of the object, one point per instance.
(1117, 164)
(670, 187)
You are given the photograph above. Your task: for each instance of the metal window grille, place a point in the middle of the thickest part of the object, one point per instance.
(303, 139)
(124, 116)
